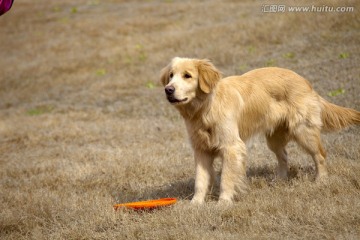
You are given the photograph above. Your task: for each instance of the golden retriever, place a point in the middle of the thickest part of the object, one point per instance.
(221, 115)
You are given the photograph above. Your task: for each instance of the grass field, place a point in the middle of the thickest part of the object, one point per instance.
(84, 123)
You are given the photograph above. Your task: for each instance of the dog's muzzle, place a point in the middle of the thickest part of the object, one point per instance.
(169, 91)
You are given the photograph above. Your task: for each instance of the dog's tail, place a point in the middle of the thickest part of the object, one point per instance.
(335, 118)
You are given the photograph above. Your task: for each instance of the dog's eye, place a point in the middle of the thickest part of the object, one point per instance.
(171, 75)
(187, 75)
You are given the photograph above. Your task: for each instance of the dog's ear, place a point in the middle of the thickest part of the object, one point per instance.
(165, 75)
(208, 75)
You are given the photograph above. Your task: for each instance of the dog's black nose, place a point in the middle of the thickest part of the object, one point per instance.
(169, 90)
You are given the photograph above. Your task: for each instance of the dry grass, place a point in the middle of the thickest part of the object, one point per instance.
(84, 123)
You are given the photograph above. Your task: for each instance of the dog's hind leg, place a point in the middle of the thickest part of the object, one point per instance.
(308, 137)
(277, 143)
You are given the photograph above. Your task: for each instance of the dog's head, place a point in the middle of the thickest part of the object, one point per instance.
(184, 78)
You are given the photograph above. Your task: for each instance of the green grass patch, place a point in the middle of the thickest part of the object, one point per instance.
(93, 2)
(251, 49)
(270, 63)
(56, 9)
(101, 72)
(74, 10)
(289, 55)
(336, 92)
(142, 56)
(243, 67)
(344, 55)
(150, 85)
(40, 110)
(63, 20)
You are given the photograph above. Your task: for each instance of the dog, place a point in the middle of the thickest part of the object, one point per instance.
(222, 115)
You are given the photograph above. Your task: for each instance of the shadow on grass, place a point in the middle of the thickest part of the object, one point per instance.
(269, 173)
(265, 172)
(184, 189)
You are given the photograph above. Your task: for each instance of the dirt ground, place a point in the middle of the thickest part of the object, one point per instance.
(84, 123)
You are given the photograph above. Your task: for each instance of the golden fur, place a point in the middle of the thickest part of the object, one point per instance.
(221, 115)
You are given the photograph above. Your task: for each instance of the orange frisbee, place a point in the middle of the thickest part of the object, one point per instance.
(147, 205)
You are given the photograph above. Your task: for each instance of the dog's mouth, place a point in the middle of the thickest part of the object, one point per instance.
(173, 100)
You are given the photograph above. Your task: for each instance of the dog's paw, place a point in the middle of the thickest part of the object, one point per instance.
(197, 201)
(225, 201)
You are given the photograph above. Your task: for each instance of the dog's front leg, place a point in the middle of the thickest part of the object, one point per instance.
(204, 175)
(233, 171)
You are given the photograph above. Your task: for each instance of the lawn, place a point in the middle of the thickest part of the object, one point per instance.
(84, 122)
